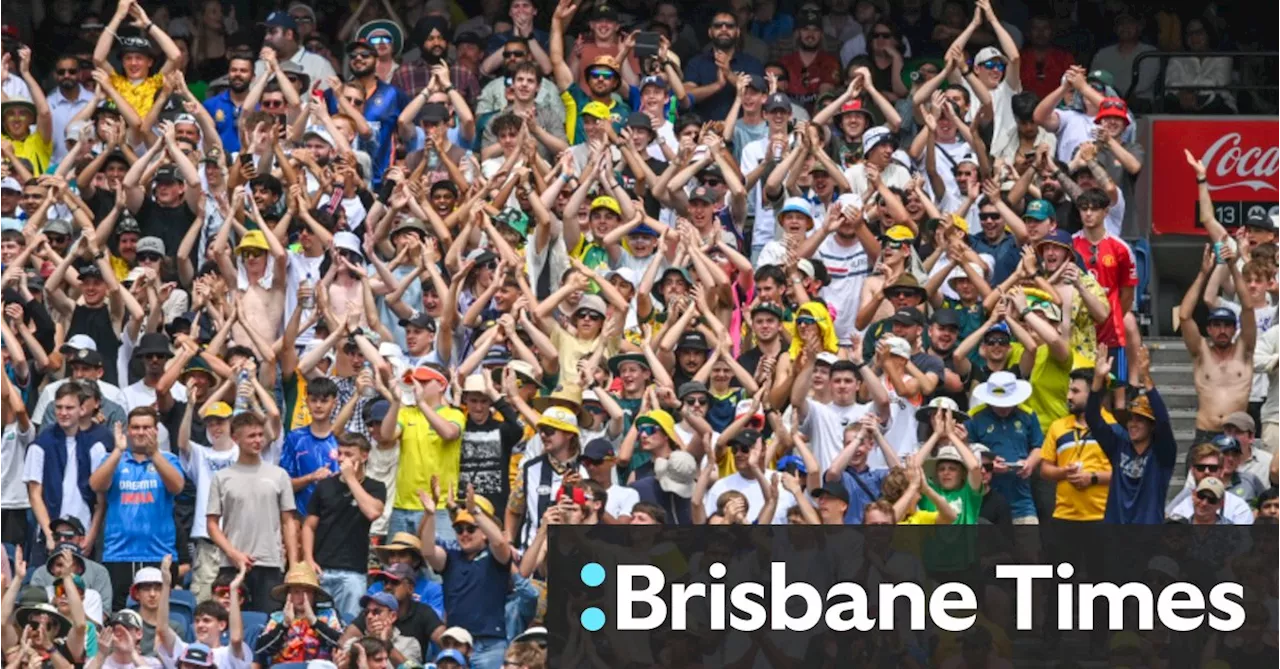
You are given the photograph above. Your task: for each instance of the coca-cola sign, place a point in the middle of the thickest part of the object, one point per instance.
(1242, 159)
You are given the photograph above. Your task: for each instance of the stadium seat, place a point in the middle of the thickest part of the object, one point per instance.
(1142, 294)
(254, 621)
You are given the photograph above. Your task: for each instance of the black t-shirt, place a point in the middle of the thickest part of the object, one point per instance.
(170, 224)
(961, 398)
(485, 460)
(101, 204)
(420, 623)
(95, 322)
(651, 205)
(341, 538)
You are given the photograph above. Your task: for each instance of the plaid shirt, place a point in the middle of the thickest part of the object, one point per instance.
(346, 389)
(412, 78)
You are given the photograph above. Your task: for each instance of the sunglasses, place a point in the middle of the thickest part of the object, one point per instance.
(895, 245)
(65, 535)
(1112, 105)
(712, 183)
(989, 215)
(355, 102)
(303, 19)
(519, 53)
(155, 356)
(253, 253)
(546, 432)
(150, 257)
(56, 238)
(805, 320)
(272, 104)
(697, 401)
(360, 54)
(602, 73)
(994, 64)
(464, 529)
(724, 24)
(591, 315)
(647, 430)
(895, 294)
(996, 341)
(1208, 497)
(60, 590)
(67, 70)
(1207, 467)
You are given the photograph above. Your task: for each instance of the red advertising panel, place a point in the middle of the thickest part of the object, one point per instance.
(1242, 160)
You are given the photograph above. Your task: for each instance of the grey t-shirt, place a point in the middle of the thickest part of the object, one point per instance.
(250, 499)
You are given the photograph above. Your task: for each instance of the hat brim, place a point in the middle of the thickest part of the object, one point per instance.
(925, 414)
(541, 404)
(143, 352)
(18, 104)
(616, 362)
(281, 591)
(397, 35)
(558, 424)
(382, 551)
(24, 615)
(1021, 392)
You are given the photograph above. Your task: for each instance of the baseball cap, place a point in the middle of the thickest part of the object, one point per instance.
(1212, 485)
(197, 654)
(127, 617)
(640, 121)
(58, 226)
(945, 317)
(168, 173)
(987, 54)
(598, 450)
(1260, 220)
(604, 12)
(280, 19)
(808, 19)
(1241, 421)
(433, 112)
(87, 357)
(395, 572)
(651, 80)
(1039, 210)
(452, 655)
(420, 319)
(79, 342)
(384, 599)
(873, 137)
(606, 202)
(1226, 443)
(596, 109)
(1222, 315)
(217, 410)
(777, 101)
(693, 341)
(151, 245)
(458, 634)
(835, 489)
(147, 576)
(702, 194)
(907, 316)
(1101, 77)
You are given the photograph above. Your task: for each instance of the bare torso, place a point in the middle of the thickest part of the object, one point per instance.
(263, 311)
(1222, 380)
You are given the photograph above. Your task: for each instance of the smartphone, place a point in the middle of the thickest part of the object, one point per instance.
(646, 45)
(246, 159)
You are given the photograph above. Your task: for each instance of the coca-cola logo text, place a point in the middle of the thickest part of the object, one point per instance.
(1229, 165)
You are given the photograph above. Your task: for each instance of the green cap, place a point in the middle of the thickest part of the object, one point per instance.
(1103, 77)
(1039, 210)
(515, 219)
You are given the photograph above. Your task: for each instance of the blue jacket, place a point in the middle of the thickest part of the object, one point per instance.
(1139, 482)
(52, 440)
(679, 509)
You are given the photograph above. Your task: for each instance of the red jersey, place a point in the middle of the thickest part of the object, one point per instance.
(1042, 70)
(1112, 263)
(806, 80)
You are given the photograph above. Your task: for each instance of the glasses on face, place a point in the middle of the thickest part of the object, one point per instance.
(590, 315)
(155, 356)
(1112, 104)
(881, 35)
(464, 529)
(354, 102)
(720, 25)
(361, 55)
(547, 432)
(897, 294)
(1208, 466)
(55, 238)
(997, 341)
(515, 53)
(273, 104)
(989, 215)
(304, 19)
(253, 253)
(379, 39)
(994, 64)
(70, 71)
(65, 535)
(1206, 497)
(647, 430)
(697, 401)
(806, 320)
(149, 257)
(601, 73)
(60, 590)
(892, 245)
(712, 183)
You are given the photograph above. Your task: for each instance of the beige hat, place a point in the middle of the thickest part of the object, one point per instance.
(474, 384)
(1212, 485)
(458, 634)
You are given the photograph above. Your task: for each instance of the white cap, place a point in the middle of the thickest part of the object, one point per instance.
(850, 200)
(897, 346)
(458, 634)
(873, 136)
(81, 342)
(321, 132)
(74, 128)
(347, 241)
(9, 183)
(390, 349)
(628, 274)
(987, 54)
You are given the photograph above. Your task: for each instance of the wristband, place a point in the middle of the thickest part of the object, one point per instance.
(147, 28)
(1025, 311)
(449, 89)
(1201, 180)
(1093, 478)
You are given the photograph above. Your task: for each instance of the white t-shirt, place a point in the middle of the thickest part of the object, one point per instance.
(894, 176)
(848, 267)
(1074, 128)
(755, 498)
(621, 500)
(222, 658)
(91, 599)
(109, 392)
(900, 433)
(1004, 127)
(686, 435)
(201, 463)
(296, 269)
(72, 503)
(947, 156)
(13, 493)
(752, 155)
(824, 425)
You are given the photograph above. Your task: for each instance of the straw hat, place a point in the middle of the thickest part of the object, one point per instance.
(400, 541)
(568, 396)
(301, 575)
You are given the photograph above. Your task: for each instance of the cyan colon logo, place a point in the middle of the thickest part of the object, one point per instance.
(592, 576)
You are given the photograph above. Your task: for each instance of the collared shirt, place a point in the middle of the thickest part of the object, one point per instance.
(413, 77)
(226, 114)
(1070, 444)
(64, 110)
(1013, 437)
(1005, 252)
(493, 97)
(702, 70)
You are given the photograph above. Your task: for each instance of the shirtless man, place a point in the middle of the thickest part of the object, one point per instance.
(260, 296)
(1223, 366)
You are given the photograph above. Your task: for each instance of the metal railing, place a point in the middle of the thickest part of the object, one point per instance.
(1160, 88)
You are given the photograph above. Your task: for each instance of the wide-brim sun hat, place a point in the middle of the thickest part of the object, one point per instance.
(1002, 389)
(301, 575)
(382, 28)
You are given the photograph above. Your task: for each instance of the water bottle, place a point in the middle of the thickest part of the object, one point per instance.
(308, 301)
(242, 391)
(369, 392)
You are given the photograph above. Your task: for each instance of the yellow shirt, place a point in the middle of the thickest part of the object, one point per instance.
(921, 518)
(1084, 332)
(573, 349)
(1049, 382)
(34, 150)
(142, 95)
(1067, 442)
(424, 454)
(120, 266)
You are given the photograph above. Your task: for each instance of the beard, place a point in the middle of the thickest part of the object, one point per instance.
(238, 85)
(434, 56)
(723, 43)
(363, 72)
(68, 85)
